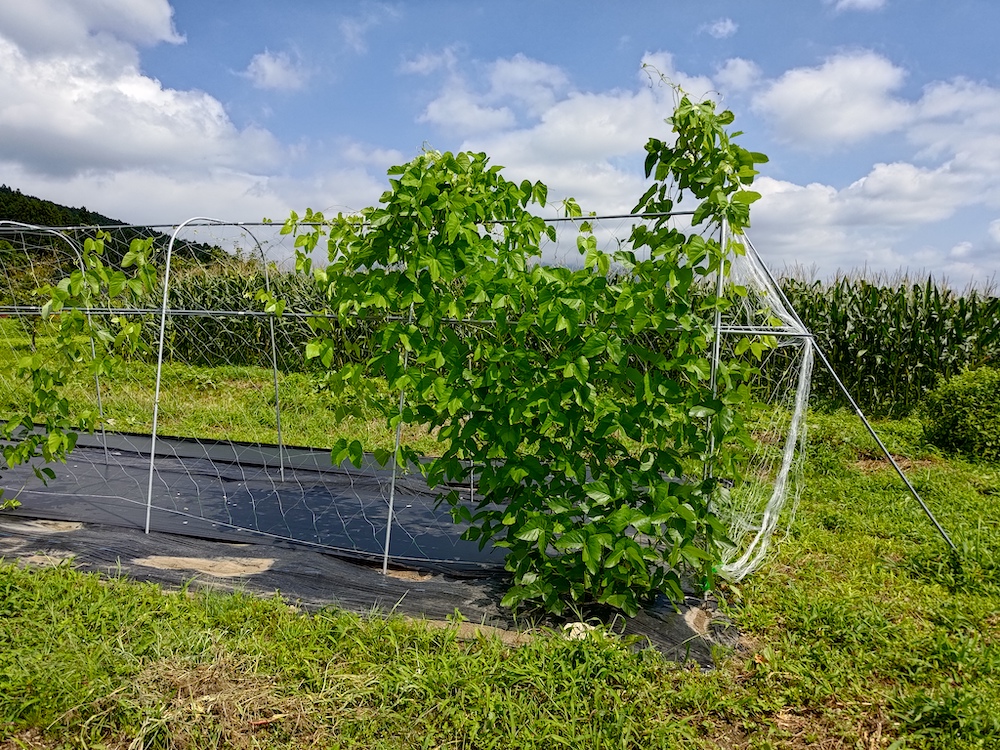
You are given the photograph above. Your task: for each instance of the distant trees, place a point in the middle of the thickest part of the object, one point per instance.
(16, 206)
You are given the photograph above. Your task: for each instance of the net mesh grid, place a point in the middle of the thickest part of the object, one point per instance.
(227, 470)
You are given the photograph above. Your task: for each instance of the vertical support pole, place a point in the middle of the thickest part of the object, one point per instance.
(159, 379)
(274, 367)
(395, 461)
(159, 363)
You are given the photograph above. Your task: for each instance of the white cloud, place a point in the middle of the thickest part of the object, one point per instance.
(59, 26)
(63, 108)
(961, 250)
(737, 74)
(802, 226)
(430, 62)
(456, 110)
(901, 194)
(83, 120)
(269, 70)
(148, 196)
(891, 215)
(840, 5)
(382, 158)
(994, 231)
(957, 122)
(587, 145)
(507, 87)
(355, 30)
(723, 28)
(845, 100)
(873, 221)
(955, 159)
(531, 82)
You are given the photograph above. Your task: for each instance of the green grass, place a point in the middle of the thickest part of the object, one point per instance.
(860, 631)
(226, 403)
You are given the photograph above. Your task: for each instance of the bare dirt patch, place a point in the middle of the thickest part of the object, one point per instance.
(873, 464)
(31, 739)
(46, 558)
(42, 527)
(217, 567)
(698, 620)
(409, 575)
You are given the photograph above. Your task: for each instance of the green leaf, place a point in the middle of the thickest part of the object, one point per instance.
(532, 530)
(592, 552)
(598, 492)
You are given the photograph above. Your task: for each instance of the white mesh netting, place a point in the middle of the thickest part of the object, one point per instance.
(243, 422)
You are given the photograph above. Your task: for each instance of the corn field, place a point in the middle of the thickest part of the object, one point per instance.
(890, 341)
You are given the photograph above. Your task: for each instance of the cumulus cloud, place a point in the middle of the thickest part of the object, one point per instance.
(531, 82)
(269, 70)
(804, 227)
(586, 145)
(737, 74)
(956, 122)
(723, 28)
(506, 87)
(381, 158)
(840, 5)
(83, 119)
(953, 166)
(64, 106)
(902, 193)
(457, 110)
(57, 26)
(961, 250)
(843, 101)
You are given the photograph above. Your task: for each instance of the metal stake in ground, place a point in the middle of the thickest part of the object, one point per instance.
(853, 403)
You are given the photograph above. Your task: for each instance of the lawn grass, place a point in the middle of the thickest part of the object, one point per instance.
(860, 631)
(231, 402)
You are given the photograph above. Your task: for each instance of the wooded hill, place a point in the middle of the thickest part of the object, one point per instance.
(16, 206)
(27, 209)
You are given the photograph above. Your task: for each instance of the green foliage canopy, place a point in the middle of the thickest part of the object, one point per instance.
(587, 444)
(44, 427)
(962, 415)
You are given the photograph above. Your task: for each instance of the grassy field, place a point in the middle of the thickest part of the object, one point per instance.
(231, 402)
(861, 631)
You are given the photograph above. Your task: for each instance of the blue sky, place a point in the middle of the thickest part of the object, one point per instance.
(881, 117)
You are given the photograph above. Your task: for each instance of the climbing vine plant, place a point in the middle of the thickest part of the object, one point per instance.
(46, 427)
(587, 441)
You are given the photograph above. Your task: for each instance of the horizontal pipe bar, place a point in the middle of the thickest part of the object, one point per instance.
(547, 220)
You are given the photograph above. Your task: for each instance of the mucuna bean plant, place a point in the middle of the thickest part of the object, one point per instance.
(586, 436)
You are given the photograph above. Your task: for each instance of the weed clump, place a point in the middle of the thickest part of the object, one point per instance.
(962, 415)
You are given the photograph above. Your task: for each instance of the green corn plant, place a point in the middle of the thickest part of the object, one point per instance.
(890, 342)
